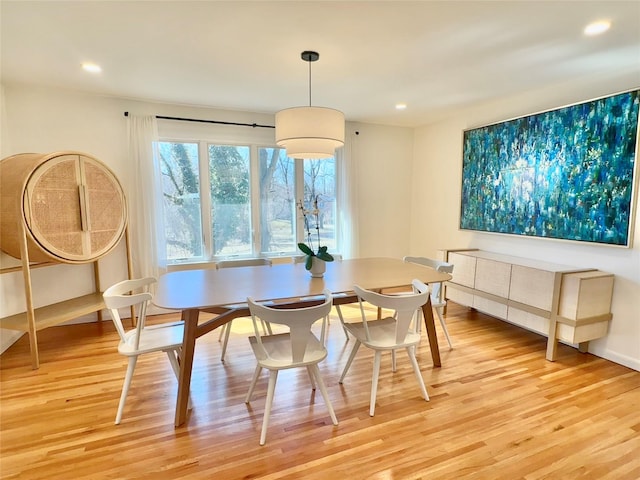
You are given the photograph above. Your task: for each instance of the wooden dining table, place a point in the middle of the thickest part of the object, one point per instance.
(223, 292)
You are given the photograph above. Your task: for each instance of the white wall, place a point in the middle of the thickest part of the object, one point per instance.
(47, 120)
(436, 194)
(408, 185)
(382, 157)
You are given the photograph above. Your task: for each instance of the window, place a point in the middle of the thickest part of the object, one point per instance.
(320, 192)
(223, 200)
(230, 199)
(181, 200)
(277, 201)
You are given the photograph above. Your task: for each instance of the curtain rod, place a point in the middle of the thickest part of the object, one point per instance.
(253, 125)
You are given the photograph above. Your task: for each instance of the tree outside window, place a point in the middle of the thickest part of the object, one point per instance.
(181, 200)
(238, 220)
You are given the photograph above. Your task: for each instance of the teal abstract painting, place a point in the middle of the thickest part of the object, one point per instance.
(563, 174)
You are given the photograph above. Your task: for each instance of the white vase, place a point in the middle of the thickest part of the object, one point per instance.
(318, 267)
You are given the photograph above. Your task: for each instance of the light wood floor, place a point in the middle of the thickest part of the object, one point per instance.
(498, 410)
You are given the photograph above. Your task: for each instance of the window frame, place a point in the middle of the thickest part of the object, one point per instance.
(254, 200)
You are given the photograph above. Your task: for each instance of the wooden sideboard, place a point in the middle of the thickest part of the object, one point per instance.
(562, 302)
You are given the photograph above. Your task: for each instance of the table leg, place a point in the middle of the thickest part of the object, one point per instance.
(190, 318)
(429, 323)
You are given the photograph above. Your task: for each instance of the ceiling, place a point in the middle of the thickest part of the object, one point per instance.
(435, 56)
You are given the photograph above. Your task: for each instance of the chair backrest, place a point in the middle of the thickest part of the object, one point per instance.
(438, 265)
(303, 258)
(248, 262)
(404, 306)
(121, 295)
(299, 321)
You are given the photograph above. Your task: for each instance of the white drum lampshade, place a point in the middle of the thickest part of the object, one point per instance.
(310, 132)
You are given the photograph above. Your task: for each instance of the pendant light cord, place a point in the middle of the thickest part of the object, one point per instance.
(309, 56)
(309, 82)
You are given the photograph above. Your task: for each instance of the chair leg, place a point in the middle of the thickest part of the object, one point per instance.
(254, 380)
(225, 341)
(393, 361)
(344, 329)
(315, 371)
(273, 377)
(411, 351)
(125, 387)
(223, 329)
(173, 360)
(325, 329)
(374, 381)
(352, 355)
(311, 377)
(444, 326)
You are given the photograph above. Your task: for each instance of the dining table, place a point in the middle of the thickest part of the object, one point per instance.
(224, 292)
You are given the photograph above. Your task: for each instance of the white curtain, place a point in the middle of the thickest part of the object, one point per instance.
(146, 226)
(347, 199)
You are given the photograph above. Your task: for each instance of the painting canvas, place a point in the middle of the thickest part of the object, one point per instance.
(563, 174)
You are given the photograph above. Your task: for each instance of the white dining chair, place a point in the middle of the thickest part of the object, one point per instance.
(438, 302)
(225, 330)
(141, 340)
(390, 333)
(297, 348)
(336, 258)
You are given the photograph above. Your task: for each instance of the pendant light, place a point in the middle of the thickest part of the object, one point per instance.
(310, 132)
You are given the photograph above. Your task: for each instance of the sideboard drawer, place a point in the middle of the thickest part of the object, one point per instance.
(493, 277)
(528, 320)
(532, 287)
(460, 297)
(582, 333)
(585, 294)
(490, 307)
(464, 271)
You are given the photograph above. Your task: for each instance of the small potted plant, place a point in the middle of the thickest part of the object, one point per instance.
(316, 259)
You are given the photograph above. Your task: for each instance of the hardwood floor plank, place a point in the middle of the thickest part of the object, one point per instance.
(497, 410)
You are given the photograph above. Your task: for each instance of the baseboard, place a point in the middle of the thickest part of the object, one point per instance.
(624, 360)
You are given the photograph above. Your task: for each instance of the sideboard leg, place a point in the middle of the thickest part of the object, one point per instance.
(583, 347)
(552, 341)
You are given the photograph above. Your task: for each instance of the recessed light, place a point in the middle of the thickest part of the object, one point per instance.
(401, 106)
(596, 28)
(91, 67)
